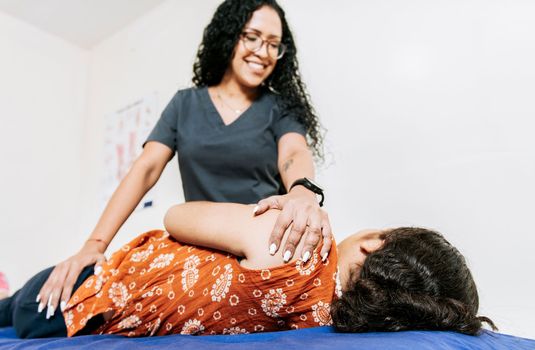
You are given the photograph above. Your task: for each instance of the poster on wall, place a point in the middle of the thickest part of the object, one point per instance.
(126, 130)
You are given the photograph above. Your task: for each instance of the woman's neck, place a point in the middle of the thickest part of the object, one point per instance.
(236, 91)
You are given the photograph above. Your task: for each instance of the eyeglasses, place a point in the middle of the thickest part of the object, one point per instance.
(254, 42)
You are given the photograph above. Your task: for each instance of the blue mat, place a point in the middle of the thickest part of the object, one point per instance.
(311, 338)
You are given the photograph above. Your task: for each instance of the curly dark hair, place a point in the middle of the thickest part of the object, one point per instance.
(417, 280)
(215, 54)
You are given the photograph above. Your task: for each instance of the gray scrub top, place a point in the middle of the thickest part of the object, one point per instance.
(225, 163)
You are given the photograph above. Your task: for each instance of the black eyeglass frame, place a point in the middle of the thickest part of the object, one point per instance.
(282, 46)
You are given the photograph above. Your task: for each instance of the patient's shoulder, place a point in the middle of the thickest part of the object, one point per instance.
(257, 243)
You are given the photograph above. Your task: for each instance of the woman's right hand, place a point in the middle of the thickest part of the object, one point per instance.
(59, 285)
(143, 174)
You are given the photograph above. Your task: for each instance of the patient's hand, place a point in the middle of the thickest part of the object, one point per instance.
(301, 208)
(58, 288)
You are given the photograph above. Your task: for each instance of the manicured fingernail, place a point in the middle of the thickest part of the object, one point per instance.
(50, 312)
(38, 299)
(40, 307)
(272, 248)
(255, 209)
(98, 270)
(306, 256)
(287, 256)
(324, 256)
(62, 305)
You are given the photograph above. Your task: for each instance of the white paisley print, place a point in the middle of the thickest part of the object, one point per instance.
(235, 330)
(118, 294)
(192, 327)
(161, 261)
(131, 321)
(273, 301)
(142, 255)
(190, 275)
(306, 268)
(101, 279)
(322, 313)
(222, 285)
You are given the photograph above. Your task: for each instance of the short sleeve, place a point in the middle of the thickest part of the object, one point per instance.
(288, 123)
(165, 130)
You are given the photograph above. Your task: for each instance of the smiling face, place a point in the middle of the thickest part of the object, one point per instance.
(249, 69)
(353, 250)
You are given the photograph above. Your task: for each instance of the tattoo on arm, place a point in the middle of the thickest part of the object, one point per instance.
(287, 165)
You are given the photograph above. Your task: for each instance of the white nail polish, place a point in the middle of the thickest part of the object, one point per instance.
(306, 256)
(324, 257)
(255, 209)
(62, 305)
(287, 256)
(98, 270)
(48, 313)
(272, 248)
(40, 307)
(38, 299)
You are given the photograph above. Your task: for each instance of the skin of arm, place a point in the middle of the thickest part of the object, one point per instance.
(227, 227)
(142, 176)
(295, 160)
(299, 207)
(144, 173)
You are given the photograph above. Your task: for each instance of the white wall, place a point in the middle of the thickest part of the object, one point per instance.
(43, 87)
(430, 112)
(427, 106)
(154, 54)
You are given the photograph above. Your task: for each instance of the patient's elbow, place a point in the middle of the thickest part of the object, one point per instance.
(171, 218)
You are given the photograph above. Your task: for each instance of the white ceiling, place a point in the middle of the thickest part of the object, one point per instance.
(82, 22)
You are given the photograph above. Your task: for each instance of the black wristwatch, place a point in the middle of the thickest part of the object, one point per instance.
(310, 185)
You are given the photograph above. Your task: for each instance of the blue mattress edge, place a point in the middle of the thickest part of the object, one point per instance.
(310, 338)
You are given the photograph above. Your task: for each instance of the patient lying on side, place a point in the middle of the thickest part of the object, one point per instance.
(209, 273)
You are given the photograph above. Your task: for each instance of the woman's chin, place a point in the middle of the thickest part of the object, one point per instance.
(252, 84)
(251, 80)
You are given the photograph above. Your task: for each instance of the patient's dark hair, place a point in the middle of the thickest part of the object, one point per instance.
(418, 280)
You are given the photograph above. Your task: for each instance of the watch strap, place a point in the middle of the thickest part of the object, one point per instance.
(311, 186)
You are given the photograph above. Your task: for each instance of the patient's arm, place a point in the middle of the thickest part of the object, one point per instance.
(224, 226)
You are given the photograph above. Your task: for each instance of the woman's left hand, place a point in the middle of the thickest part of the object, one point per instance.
(301, 208)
